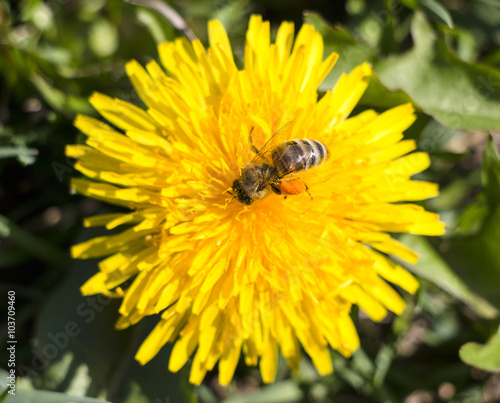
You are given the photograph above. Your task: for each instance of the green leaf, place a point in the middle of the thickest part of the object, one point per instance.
(458, 94)
(148, 18)
(37, 396)
(40, 396)
(476, 257)
(433, 267)
(35, 246)
(41, 15)
(434, 137)
(53, 96)
(378, 96)
(232, 13)
(439, 10)
(353, 52)
(25, 155)
(282, 392)
(472, 219)
(336, 39)
(383, 362)
(387, 42)
(493, 58)
(362, 363)
(484, 356)
(468, 46)
(411, 4)
(58, 100)
(352, 377)
(490, 174)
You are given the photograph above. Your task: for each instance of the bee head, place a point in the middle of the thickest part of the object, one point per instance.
(241, 195)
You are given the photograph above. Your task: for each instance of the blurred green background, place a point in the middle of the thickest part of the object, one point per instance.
(444, 56)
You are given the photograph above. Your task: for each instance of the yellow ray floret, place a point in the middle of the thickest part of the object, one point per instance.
(278, 276)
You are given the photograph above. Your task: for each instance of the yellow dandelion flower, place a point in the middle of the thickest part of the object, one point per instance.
(272, 276)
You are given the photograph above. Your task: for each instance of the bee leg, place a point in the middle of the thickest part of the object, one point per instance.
(285, 197)
(275, 188)
(307, 190)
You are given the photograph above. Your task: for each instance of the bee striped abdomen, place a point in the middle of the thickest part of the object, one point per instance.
(298, 155)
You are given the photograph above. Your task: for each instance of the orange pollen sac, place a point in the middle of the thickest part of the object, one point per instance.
(293, 187)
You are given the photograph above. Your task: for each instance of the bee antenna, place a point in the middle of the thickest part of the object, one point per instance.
(254, 149)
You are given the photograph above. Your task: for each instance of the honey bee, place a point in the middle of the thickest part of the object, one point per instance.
(274, 166)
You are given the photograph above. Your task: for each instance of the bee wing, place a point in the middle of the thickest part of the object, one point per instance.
(291, 172)
(276, 139)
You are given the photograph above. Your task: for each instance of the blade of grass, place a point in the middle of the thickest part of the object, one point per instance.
(32, 244)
